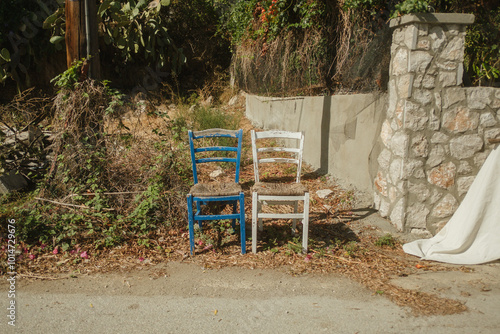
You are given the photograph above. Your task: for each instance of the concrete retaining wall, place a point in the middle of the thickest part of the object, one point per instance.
(341, 132)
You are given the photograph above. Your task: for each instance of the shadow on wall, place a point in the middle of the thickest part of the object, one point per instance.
(325, 135)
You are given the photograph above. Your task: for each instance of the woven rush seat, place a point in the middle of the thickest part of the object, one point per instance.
(279, 189)
(215, 189)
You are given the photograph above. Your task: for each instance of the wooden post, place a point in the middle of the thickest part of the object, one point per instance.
(75, 49)
(76, 41)
(95, 63)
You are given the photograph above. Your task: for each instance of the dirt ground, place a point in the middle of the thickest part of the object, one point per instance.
(186, 297)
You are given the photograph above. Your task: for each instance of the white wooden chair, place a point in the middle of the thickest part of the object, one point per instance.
(271, 193)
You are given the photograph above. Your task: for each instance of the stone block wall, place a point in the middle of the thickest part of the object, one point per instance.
(435, 136)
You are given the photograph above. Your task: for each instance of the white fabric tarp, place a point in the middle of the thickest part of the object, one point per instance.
(472, 236)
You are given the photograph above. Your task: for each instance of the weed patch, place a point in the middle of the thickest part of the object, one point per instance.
(103, 187)
(110, 183)
(386, 240)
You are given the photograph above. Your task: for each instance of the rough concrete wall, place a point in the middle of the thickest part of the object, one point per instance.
(341, 132)
(436, 133)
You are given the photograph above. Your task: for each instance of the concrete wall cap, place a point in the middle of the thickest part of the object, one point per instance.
(433, 18)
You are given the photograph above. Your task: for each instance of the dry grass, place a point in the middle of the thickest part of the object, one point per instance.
(292, 63)
(25, 113)
(111, 152)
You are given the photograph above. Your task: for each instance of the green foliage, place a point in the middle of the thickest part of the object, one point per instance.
(4, 60)
(393, 7)
(411, 6)
(386, 240)
(23, 41)
(138, 30)
(355, 4)
(307, 14)
(295, 245)
(97, 193)
(218, 233)
(70, 77)
(56, 24)
(266, 19)
(482, 46)
(351, 248)
(95, 216)
(147, 203)
(237, 20)
(211, 118)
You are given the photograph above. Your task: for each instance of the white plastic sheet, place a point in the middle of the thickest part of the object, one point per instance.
(472, 236)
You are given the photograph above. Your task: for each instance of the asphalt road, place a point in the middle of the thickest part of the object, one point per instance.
(188, 299)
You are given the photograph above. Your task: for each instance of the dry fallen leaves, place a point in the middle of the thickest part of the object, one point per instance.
(368, 264)
(340, 243)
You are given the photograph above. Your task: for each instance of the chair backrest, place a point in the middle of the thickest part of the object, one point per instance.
(284, 140)
(219, 155)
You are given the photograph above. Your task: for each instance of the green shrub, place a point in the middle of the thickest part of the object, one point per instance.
(104, 188)
(211, 118)
(386, 240)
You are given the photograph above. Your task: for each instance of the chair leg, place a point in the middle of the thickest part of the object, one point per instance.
(191, 223)
(198, 211)
(233, 221)
(294, 221)
(242, 224)
(254, 221)
(305, 224)
(259, 209)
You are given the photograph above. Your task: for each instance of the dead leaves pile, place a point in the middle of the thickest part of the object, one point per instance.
(340, 244)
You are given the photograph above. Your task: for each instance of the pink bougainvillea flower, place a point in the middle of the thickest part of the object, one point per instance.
(200, 243)
(141, 259)
(72, 251)
(25, 250)
(84, 255)
(308, 258)
(32, 256)
(56, 250)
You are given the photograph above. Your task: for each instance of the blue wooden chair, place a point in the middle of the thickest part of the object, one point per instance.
(202, 194)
